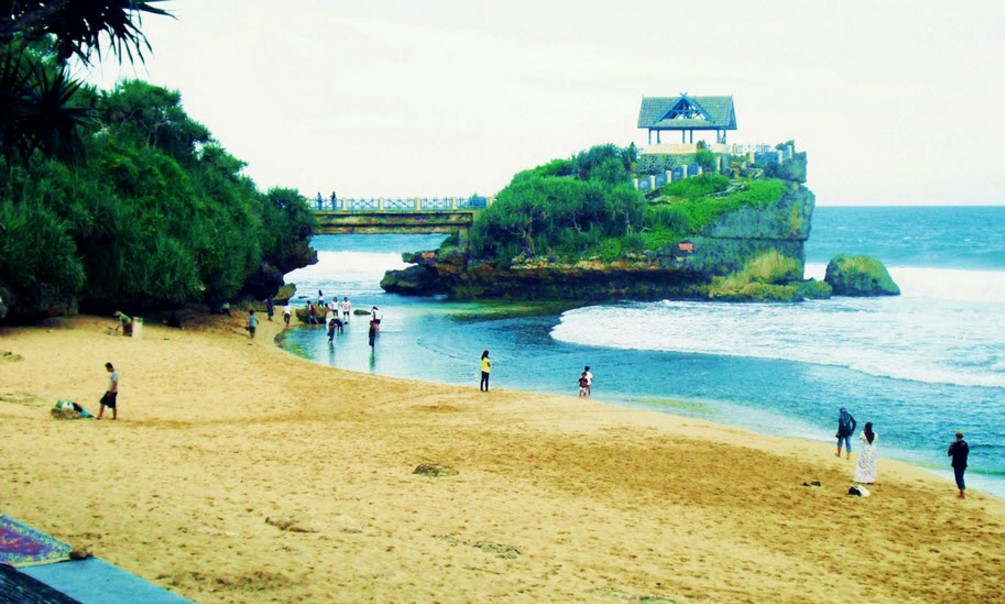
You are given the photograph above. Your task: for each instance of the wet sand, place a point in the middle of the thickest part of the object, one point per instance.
(239, 473)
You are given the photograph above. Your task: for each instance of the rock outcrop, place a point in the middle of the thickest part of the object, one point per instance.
(684, 269)
(859, 276)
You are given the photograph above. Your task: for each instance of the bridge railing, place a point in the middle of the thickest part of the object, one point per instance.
(400, 204)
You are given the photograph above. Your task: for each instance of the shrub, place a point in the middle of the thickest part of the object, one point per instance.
(771, 267)
(696, 187)
(706, 159)
(609, 249)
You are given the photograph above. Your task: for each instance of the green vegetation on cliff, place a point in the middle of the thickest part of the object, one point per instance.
(143, 209)
(574, 229)
(584, 207)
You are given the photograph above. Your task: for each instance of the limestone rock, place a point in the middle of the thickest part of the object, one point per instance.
(859, 276)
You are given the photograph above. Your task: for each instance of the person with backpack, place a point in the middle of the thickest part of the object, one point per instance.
(846, 427)
(959, 450)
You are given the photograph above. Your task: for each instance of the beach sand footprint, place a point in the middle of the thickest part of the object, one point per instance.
(19, 397)
(434, 470)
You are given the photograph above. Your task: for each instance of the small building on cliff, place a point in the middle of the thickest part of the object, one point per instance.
(685, 114)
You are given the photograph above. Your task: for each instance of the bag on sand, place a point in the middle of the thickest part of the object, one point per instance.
(858, 491)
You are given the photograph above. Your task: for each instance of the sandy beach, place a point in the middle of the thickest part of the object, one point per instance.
(239, 473)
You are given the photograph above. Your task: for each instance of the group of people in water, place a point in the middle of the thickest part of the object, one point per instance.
(333, 315)
(865, 469)
(337, 315)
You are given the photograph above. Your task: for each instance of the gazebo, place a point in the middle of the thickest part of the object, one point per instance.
(686, 114)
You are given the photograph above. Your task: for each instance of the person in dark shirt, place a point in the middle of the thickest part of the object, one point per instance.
(846, 427)
(959, 451)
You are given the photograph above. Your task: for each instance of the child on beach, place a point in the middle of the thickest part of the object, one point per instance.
(584, 384)
(287, 313)
(252, 323)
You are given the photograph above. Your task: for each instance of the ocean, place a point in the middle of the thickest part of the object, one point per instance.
(919, 366)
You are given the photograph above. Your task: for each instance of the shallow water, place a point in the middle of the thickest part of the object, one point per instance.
(919, 366)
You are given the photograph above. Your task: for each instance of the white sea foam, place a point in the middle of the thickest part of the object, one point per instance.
(945, 328)
(938, 283)
(364, 267)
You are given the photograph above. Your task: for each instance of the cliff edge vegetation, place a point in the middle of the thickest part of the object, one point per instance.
(118, 199)
(577, 228)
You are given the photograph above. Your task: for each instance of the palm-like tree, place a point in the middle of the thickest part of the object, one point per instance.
(35, 90)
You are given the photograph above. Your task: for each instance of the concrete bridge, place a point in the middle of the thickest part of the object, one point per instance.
(397, 215)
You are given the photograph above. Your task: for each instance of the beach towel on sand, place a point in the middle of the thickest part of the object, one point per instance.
(23, 545)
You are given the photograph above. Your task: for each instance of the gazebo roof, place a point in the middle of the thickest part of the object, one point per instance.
(685, 112)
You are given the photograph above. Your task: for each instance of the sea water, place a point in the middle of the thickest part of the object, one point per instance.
(919, 366)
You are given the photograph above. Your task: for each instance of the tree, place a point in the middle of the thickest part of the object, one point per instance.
(77, 25)
(36, 41)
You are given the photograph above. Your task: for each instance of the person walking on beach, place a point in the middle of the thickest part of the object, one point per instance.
(287, 313)
(584, 385)
(589, 380)
(486, 369)
(846, 427)
(252, 323)
(270, 307)
(865, 471)
(111, 393)
(959, 450)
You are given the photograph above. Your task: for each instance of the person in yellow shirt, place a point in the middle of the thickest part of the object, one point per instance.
(486, 368)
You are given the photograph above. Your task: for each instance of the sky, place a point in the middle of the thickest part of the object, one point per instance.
(896, 102)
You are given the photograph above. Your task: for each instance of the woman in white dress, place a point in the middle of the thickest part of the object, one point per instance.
(865, 472)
